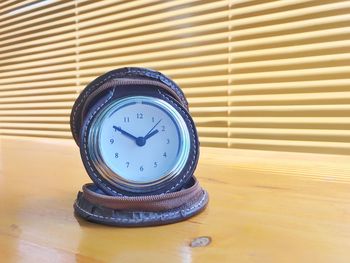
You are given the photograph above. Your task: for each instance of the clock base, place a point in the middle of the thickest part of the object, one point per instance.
(95, 206)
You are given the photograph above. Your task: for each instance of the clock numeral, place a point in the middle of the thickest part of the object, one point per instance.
(116, 155)
(127, 164)
(164, 154)
(126, 119)
(111, 141)
(141, 168)
(139, 115)
(155, 164)
(152, 119)
(163, 128)
(167, 141)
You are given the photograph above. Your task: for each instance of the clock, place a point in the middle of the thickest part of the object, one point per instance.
(135, 133)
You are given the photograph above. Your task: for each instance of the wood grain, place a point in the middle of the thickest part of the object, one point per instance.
(264, 207)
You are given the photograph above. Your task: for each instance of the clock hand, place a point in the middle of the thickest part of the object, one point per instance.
(141, 141)
(153, 128)
(125, 133)
(150, 134)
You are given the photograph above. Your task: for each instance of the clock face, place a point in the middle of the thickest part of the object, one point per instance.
(140, 141)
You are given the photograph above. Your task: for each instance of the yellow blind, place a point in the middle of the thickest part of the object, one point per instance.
(268, 75)
(37, 67)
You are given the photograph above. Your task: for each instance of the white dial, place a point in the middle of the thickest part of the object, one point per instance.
(142, 140)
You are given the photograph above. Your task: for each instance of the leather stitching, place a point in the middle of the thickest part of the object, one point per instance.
(194, 142)
(85, 146)
(155, 75)
(163, 79)
(150, 218)
(87, 93)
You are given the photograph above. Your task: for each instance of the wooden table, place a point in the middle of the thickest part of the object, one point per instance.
(264, 207)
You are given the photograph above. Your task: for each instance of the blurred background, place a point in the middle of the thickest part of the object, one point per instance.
(266, 75)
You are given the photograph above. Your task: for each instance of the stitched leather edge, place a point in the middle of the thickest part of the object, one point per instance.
(102, 215)
(144, 203)
(76, 122)
(195, 145)
(84, 149)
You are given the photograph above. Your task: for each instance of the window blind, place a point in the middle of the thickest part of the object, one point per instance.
(268, 75)
(37, 67)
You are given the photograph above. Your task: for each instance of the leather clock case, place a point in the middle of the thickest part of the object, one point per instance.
(101, 202)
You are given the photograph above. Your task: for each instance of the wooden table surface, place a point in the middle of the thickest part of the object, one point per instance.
(264, 207)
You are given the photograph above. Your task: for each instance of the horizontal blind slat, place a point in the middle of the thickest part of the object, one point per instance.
(268, 75)
(37, 133)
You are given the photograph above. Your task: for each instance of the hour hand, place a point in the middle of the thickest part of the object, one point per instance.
(124, 132)
(151, 134)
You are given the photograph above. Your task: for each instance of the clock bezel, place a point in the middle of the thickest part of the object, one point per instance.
(118, 180)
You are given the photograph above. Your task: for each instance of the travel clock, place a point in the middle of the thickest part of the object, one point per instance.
(135, 133)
